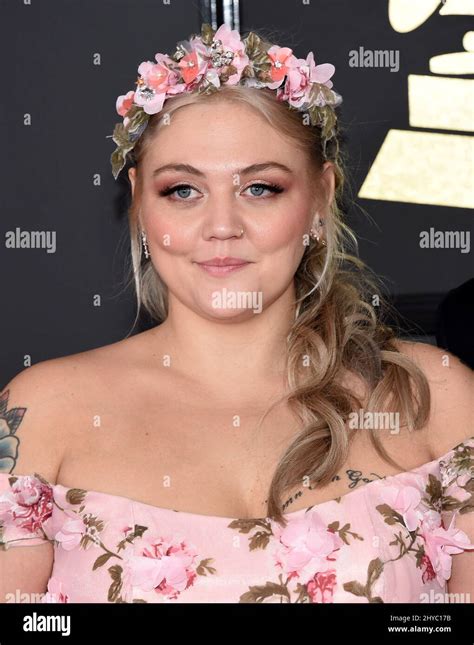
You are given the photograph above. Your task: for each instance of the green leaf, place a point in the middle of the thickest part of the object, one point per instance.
(355, 588)
(433, 489)
(258, 593)
(204, 568)
(391, 517)
(256, 50)
(116, 586)
(259, 540)
(101, 560)
(374, 570)
(120, 135)
(138, 117)
(253, 45)
(75, 495)
(243, 526)
(207, 33)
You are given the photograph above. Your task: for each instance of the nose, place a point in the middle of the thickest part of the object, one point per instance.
(223, 220)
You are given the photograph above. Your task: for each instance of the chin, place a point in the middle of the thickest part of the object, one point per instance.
(231, 301)
(227, 311)
(231, 315)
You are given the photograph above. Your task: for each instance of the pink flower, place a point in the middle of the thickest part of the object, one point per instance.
(28, 504)
(28, 490)
(281, 60)
(306, 546)
(165, 565)
(318, 73)
(125, 102)
(158, 80)
(404, 500)
(71, 533)
(190, 67)
(55, 592)
(301, 75)
(441, 544)
(232, 42)
(321, 587)
(230, 38)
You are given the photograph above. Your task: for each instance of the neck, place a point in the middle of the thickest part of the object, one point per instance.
(229, 355)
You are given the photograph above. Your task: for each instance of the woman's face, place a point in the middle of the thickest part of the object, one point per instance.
(234, 172)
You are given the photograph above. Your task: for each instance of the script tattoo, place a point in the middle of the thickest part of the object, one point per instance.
(355, 477)
(9, 442)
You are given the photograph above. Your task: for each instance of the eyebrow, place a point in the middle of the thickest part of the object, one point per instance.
(256, 167)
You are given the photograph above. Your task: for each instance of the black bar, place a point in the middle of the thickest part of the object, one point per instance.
(266, 621)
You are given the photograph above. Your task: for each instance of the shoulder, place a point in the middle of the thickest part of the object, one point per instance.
(42, 407)
(31, 407)
(451, 385)
(59, 379)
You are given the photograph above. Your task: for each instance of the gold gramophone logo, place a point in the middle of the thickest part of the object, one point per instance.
(426, 167)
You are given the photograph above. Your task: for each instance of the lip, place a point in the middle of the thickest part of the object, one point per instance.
(223, 261)
(222, 265)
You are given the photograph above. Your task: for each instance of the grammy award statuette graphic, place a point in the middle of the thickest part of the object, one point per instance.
(437, 166)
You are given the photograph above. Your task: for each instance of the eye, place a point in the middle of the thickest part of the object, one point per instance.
(260, 188)
(181, 190)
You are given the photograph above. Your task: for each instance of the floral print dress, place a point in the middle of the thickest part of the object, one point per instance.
(392, 540)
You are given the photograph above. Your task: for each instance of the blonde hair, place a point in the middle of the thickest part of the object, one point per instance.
(336, 330)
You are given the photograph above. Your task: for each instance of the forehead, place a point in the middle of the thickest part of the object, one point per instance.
(221, 134)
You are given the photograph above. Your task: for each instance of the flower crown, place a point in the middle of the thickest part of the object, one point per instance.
(204, 63)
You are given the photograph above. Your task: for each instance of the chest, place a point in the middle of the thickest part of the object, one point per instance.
(206, 456)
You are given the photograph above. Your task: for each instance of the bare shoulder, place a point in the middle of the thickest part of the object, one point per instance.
(43, 406)
(451, 384)
(33, 410)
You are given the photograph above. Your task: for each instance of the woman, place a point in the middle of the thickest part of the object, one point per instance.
(269, 439)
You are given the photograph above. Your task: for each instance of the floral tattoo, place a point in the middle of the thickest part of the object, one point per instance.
(9, 442)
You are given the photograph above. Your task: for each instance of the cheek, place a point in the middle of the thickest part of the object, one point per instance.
(170, 236)
(282, 231)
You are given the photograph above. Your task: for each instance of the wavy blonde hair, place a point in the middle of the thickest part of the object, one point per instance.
(336, 330)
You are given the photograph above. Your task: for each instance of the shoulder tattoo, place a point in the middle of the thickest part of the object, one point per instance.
(9, 442)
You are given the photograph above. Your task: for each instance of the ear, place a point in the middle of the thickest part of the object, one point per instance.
(327, 187)
(132, 177)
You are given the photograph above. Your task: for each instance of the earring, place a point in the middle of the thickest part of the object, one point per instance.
(314, 234)
(145, 245)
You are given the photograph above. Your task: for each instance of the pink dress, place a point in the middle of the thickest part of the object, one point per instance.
(383, 542)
